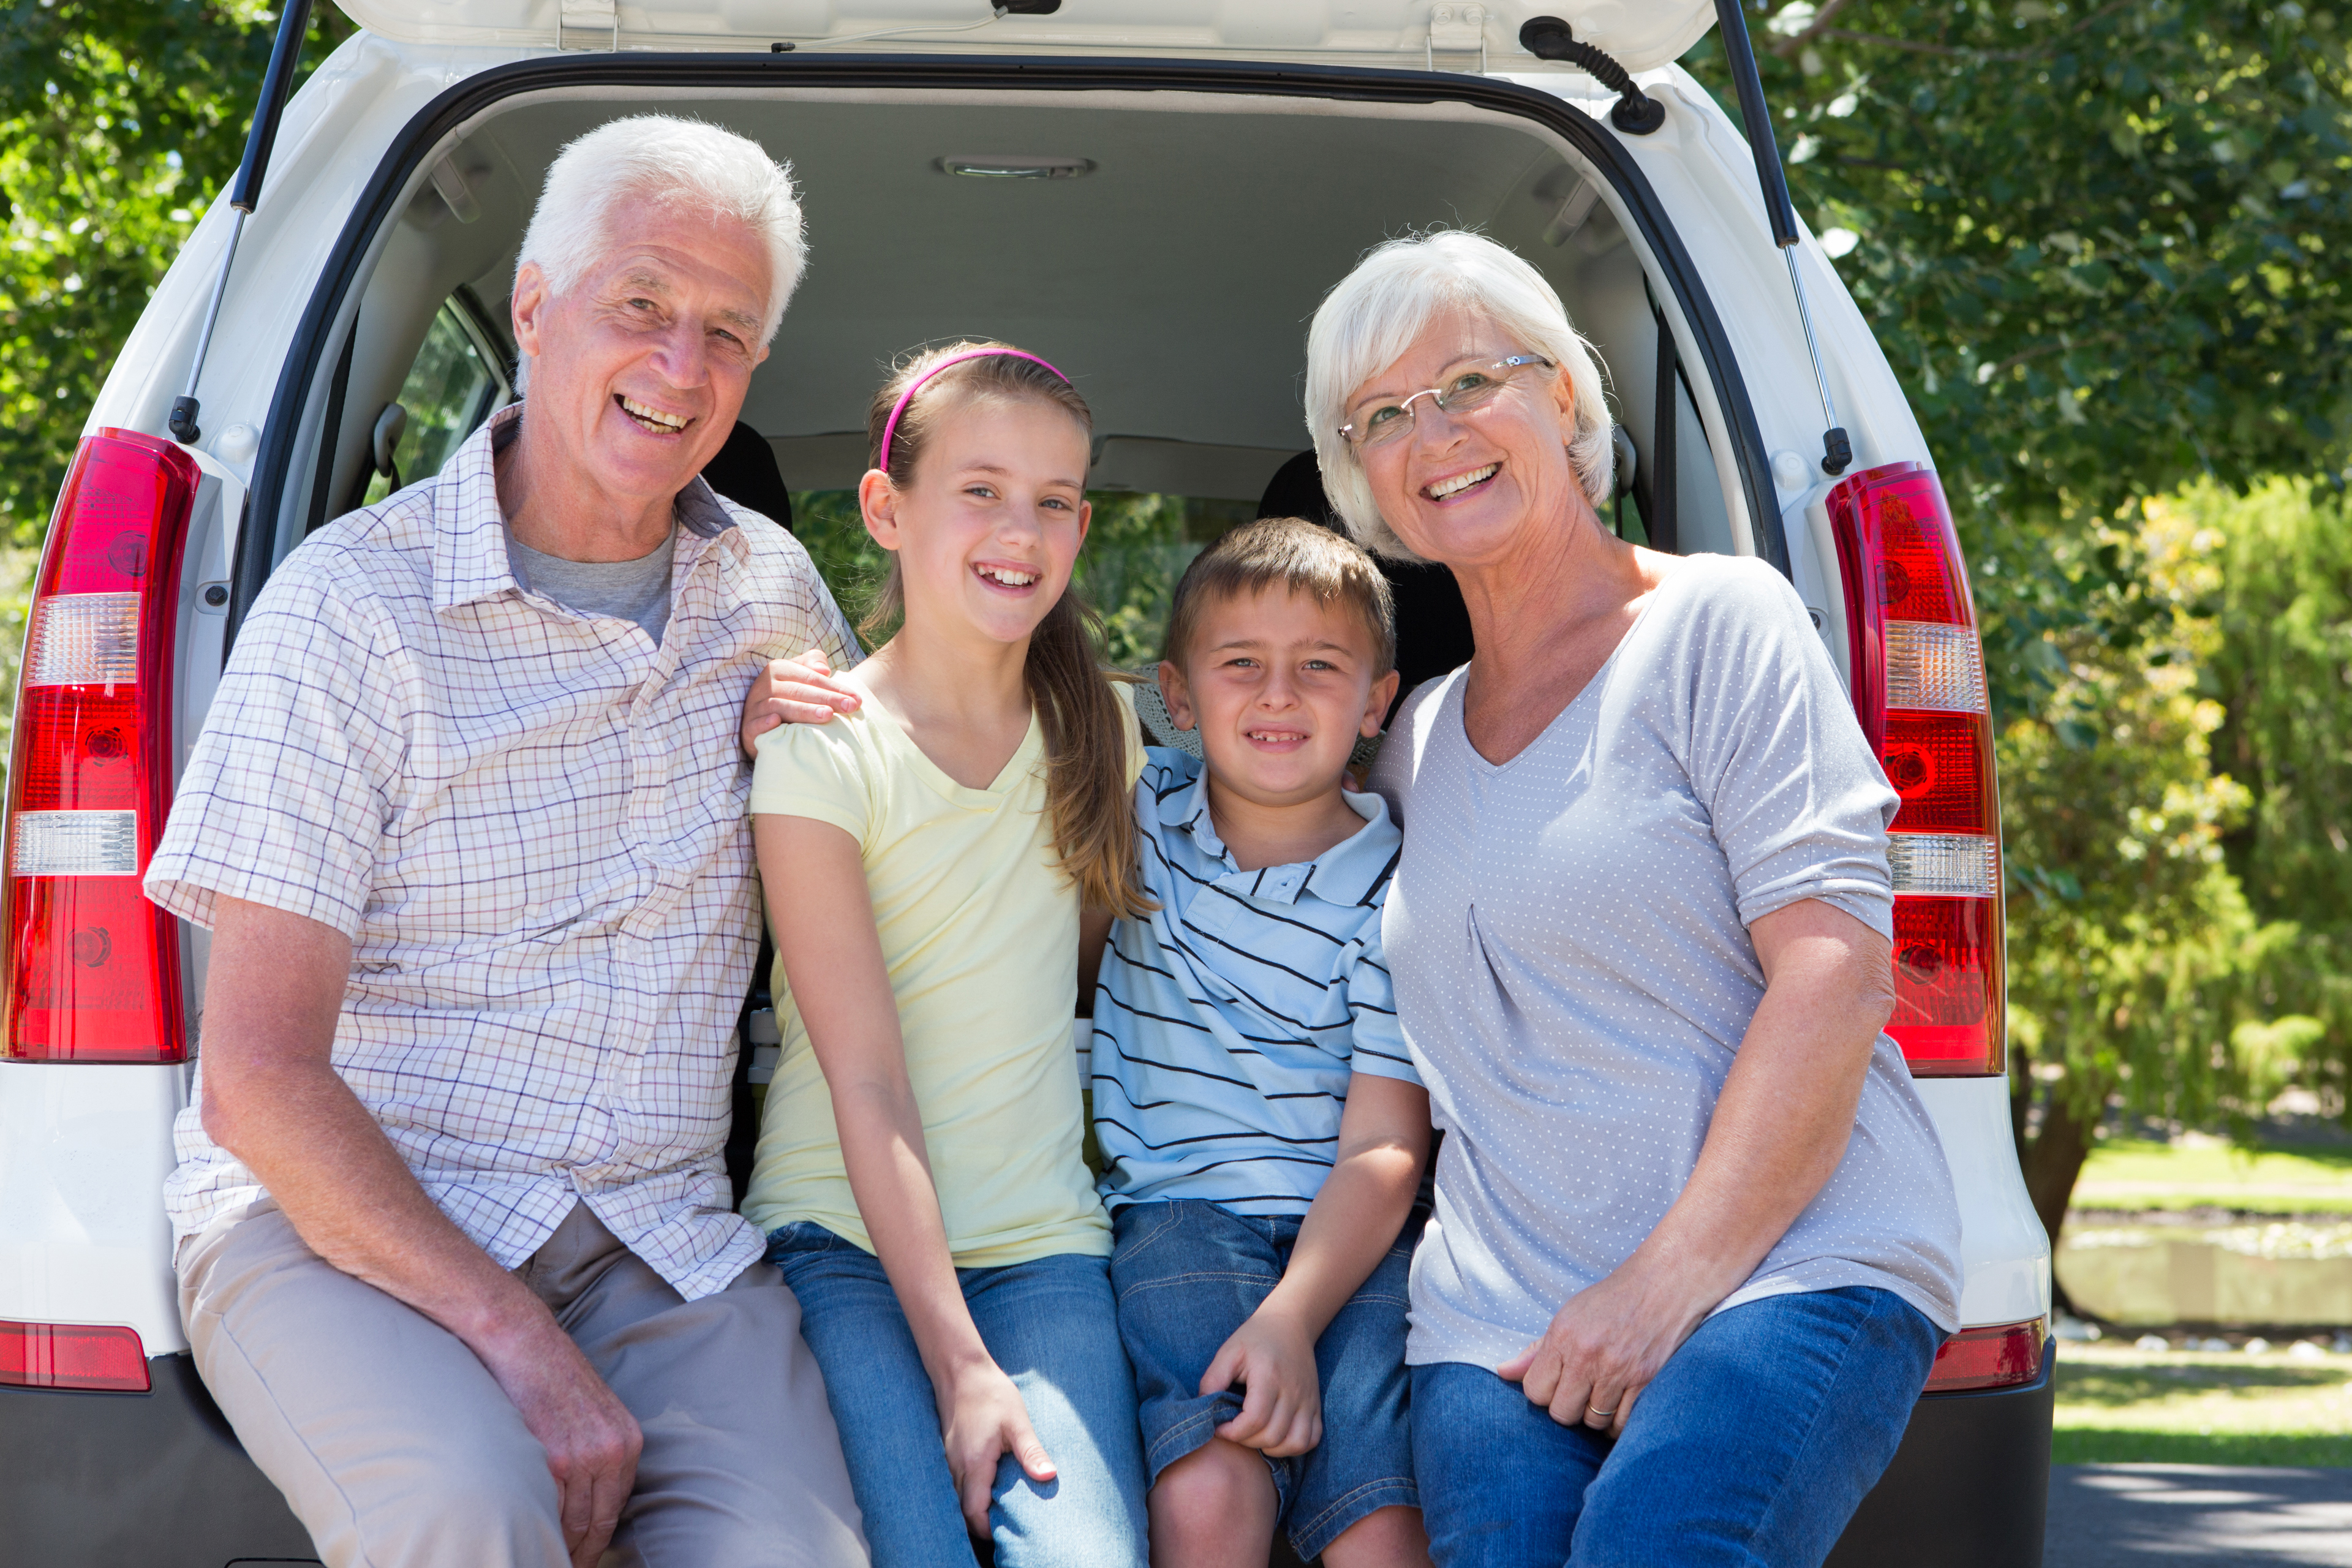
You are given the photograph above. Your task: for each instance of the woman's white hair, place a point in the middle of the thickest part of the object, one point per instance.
(1374, 314)
(686, 165)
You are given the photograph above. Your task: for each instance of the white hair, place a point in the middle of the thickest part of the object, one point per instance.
(1374, 315)
(683, 164)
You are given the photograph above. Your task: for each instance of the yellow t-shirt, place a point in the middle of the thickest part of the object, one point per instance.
(980, 934)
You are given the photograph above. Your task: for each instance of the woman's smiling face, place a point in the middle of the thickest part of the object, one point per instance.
(1467, 488)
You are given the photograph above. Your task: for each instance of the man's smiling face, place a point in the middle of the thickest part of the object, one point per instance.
(637, 372)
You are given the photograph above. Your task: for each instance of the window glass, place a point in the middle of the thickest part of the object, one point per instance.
(450, 389)
(1137, 547)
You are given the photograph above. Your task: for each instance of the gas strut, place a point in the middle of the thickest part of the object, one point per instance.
(1837, 449)
(293, 26)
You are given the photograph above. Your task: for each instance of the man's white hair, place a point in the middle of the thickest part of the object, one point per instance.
(685, 165)
(1374, 315)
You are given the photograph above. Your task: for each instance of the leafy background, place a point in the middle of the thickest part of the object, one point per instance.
(2104, 247)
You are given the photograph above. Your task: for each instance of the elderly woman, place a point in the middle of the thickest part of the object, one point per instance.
(1696, 1243)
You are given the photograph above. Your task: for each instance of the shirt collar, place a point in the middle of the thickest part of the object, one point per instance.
(1349, 872)
(469, 536)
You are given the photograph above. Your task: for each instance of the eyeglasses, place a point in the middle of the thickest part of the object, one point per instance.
(1377, 422)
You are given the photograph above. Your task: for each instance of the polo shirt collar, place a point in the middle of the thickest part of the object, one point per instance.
(1349, 872)
(469, 532)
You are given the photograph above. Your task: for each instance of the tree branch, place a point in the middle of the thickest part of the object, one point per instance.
(1820, 24)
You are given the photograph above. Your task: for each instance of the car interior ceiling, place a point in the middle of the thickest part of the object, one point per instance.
(1174, 280)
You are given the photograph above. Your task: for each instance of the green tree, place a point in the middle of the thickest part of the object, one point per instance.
(2282, 671)
(120, 121)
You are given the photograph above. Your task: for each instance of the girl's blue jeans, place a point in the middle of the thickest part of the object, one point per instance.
(1753, 1448)
(1052, 1325)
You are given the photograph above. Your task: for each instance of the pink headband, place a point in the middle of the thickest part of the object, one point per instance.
(899, 407)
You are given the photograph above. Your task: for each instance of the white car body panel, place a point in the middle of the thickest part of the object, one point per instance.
(1638, 33)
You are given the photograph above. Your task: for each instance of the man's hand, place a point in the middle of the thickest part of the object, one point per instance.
(1282, 1406)
(803, 690)
(591, 1440)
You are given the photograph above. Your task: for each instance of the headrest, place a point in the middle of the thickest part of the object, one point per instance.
(745, 472)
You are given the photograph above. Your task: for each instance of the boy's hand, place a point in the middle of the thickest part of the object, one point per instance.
(803, 690)
(1282, 1407)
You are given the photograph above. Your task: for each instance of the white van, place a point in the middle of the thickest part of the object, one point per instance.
(1154, 194)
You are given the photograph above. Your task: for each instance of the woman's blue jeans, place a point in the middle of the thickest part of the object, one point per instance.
(1053, 1326)
(1754, 1446)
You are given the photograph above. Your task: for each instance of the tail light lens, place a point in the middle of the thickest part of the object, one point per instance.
(2003, 1355)
(1919, 687)
(93, 968)
(72, 1355)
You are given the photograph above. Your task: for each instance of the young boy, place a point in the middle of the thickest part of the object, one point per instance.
(1262, 1128)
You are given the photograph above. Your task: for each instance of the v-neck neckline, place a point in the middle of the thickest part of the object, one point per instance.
(1596, 681)
(1007, 779)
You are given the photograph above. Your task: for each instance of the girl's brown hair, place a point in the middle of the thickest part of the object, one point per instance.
(1084, 734)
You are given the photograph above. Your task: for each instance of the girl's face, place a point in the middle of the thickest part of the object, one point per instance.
(989, 529)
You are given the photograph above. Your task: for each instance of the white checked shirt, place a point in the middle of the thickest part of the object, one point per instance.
(532, 826)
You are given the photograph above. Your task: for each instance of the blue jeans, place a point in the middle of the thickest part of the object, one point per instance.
(1188, 1274)
(1051, 1325)
(1753, 1448)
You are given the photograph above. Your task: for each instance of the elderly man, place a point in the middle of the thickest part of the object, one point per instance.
(466, 821)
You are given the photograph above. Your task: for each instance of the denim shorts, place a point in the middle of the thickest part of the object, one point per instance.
(1188, 1273)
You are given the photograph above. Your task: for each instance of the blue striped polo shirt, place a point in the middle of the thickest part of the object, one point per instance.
(1227, 1022)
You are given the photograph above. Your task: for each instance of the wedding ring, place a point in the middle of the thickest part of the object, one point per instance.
(1599, 1414)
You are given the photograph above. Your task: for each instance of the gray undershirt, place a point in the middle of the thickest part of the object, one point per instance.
(622, 590)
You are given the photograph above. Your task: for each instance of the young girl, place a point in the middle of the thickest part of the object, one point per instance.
(926, 858)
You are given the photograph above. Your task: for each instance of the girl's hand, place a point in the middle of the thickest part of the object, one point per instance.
(1282, 1405)
(1606, 1345)
(803, 690)
(982, 1418)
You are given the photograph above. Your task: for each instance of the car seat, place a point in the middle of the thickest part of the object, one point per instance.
(745, 472)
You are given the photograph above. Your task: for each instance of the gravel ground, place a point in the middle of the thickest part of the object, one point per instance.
(2216, 1516)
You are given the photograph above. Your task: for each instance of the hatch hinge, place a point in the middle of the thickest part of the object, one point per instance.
(1456, 30)
(600, 20)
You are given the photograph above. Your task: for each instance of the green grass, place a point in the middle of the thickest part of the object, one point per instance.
(2131, 1174)
(2120, 1405)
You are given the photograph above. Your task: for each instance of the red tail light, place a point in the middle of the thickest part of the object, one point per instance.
(72, 1355)
(1919, 687)
(2001, 1356)
(93, 968)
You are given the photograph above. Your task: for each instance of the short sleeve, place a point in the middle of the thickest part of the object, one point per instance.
(1377, 1045)
(818, 772)
(289, 789)
(1131, 728)
(1776, 755)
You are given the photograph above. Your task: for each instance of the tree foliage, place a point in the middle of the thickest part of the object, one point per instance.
(2102, 244)
(120, 121)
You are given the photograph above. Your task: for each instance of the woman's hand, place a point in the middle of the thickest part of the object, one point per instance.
(1282, 1406)
(982, 1418)
(803, 690)
(1607, 1344)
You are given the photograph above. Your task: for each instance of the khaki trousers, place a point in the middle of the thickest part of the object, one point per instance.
(397, 1450)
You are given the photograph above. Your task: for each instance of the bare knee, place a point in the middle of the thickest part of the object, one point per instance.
(1385, 1537)
(1213, 1508)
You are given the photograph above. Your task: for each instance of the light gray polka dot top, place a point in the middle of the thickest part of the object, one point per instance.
(1569, 936)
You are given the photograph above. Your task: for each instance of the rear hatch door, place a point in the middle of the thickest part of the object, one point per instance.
(1639, 34)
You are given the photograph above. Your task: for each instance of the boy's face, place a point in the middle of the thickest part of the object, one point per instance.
(1280, 688)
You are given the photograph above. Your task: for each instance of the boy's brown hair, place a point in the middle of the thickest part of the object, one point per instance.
(1296, 556)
